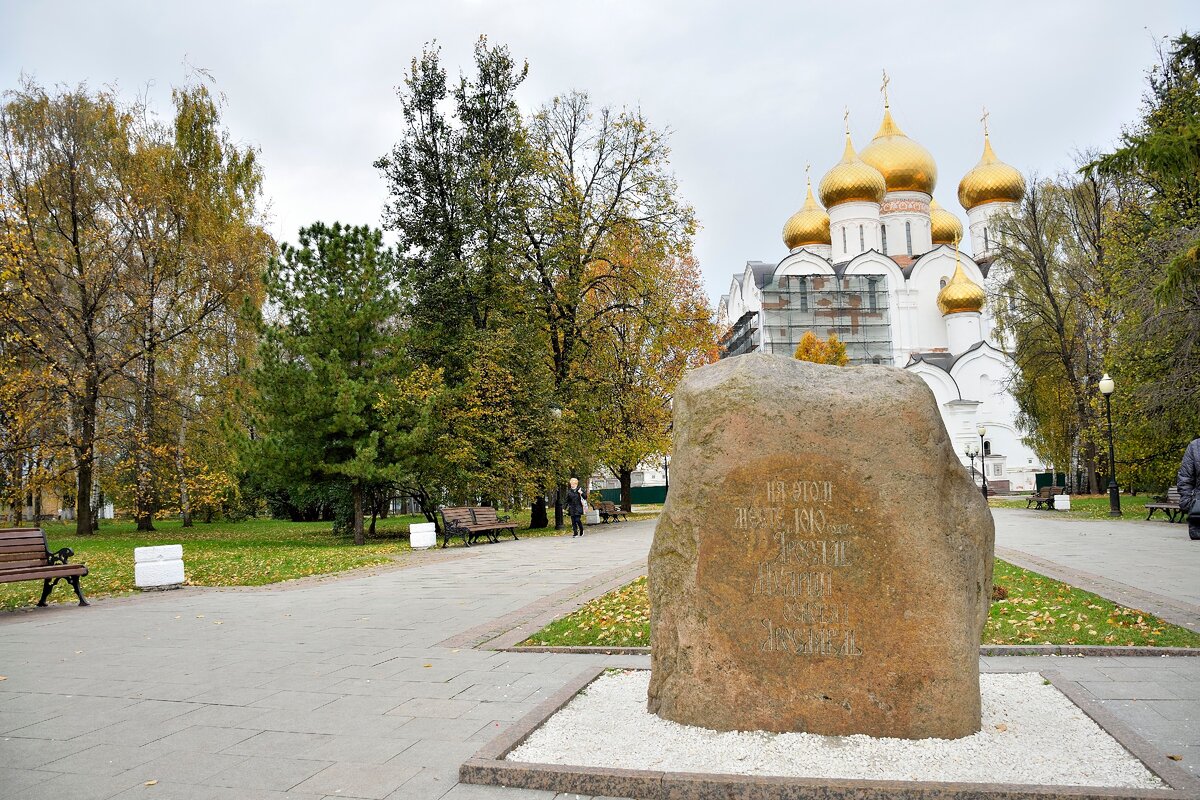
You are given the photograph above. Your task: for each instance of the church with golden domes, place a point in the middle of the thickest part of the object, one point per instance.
(879, 262)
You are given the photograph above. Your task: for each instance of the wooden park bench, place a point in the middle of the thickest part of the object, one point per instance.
(472, 522)
(25, 556)
(610, 511)
(1044, 497)
(1169, 505)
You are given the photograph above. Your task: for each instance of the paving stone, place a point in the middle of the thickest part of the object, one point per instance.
(189, 767)
(1128, 690)
(361, 749)
(425, 785)
(278, 743)
(299, 701)
(432, 707)
(72, 786)
(206, 738)
(259, 772)
(22, 753)
(349, 779)
(445, 730)
(103, 759)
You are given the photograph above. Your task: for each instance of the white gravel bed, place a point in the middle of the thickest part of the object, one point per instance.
(1032, 734)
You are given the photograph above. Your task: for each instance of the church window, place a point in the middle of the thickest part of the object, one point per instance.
(803, 287)
(872, 295)
(908, 236)
(862, 242)
(883, 238)
(942, 283)
(986, 244)
(987, 447)
(844, 248)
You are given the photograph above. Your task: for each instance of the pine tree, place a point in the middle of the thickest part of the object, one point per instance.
(330, 359)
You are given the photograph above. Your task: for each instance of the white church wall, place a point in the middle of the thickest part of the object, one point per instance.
(906, 217)
(845, 220)
(983, 375)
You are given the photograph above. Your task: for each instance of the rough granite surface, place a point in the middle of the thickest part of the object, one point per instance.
(823, 562)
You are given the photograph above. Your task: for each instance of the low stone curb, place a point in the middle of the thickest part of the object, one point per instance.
(489, 767)
(987, 650)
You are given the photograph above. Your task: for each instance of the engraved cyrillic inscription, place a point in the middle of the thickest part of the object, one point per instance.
(797, 582)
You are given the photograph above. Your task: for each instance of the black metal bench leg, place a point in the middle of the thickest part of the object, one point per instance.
(47, 587)
(74, 581)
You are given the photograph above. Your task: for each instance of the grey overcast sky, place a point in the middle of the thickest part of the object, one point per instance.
(752, 91)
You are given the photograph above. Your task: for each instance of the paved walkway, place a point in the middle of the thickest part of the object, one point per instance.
(346, 688)
(1152, 566)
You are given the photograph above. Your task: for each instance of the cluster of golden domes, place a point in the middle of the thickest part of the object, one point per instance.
(893, 162)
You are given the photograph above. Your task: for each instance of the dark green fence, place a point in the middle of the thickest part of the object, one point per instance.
(639, 495)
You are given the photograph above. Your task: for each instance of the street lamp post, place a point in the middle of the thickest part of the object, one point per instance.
(970, 451)
(1107, 387)
(981, 429)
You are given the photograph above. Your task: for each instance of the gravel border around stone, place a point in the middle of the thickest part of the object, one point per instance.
(490, 766)
(1032, 734)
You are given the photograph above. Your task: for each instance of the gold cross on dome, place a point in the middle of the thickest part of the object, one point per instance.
(808, 172)
(846, 119)
(883, 88)
(984, 120)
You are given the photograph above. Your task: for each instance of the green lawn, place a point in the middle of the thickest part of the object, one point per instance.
(1092, 507)
(248, 553)
(1037, 610)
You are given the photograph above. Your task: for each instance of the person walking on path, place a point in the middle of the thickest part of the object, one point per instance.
(1188, 483)
(575, 503)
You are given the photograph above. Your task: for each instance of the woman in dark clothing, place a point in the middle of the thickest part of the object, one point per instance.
(575, 507)
(1188, 483)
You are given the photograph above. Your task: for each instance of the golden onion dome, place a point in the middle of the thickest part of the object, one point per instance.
(990, 181)
(851, 180)
(945, 227)
(809, 225)
(905, 165)
(960, 294)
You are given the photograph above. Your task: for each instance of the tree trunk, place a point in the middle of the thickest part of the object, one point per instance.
(626, 476)
(85, 451)
(185, 503)
(358, 513)
(537, 513)
(144, 501)
(374, 514)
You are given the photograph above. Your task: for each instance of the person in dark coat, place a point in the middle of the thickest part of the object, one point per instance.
(575, 503)
(1188, 483)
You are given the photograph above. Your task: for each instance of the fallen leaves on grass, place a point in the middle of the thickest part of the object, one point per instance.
(1034, 610)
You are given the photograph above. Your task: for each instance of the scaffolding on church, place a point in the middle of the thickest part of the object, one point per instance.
(854, 307)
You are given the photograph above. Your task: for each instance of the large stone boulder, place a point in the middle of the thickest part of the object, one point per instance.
(823, 562)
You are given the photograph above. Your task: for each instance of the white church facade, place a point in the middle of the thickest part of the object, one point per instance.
(880, 265)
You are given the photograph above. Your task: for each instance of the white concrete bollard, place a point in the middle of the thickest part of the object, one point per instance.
(158, 567)
(592, 517)
(1062, 502)
(422, 535)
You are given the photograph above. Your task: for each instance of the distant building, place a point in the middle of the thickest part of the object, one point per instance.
(880, 266)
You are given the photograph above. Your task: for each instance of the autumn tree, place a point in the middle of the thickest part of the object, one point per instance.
(330, 353)
(196, 251)
(830, 351)
(61, 160)
(601, 173)
(1154, 243)
(657, 325)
